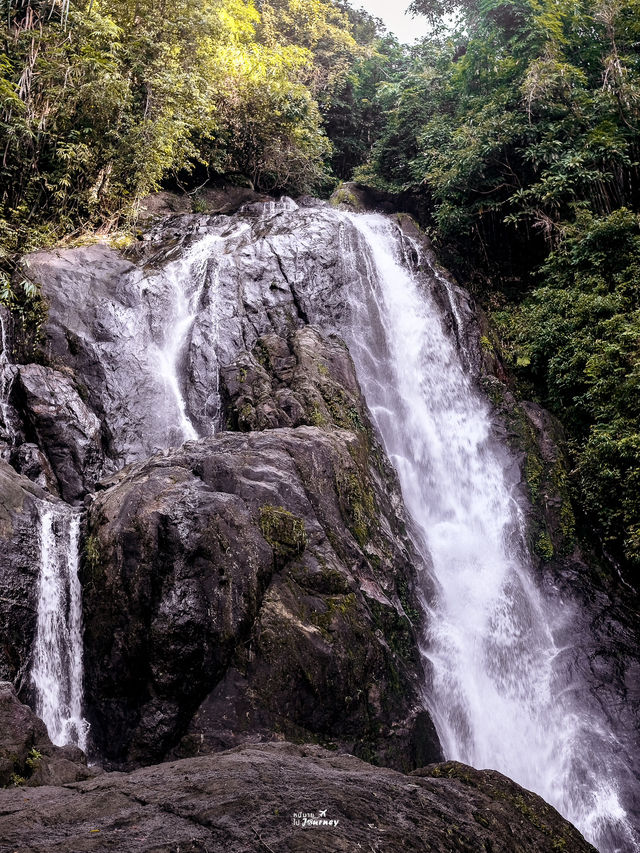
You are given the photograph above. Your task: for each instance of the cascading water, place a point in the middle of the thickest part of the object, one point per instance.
(187, 277)
(501, 695)
(57, 671)
(6, 380)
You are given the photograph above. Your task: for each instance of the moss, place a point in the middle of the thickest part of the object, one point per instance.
(92, 557)
(481, 819)
(357, 498)
(82, 390)
(284, 531)
(544, 546)
(343, 412)
(526, 810)
(397, 632)
(262, 355)
(316, 417)
(404, 594)
(533, 470)
(342, 606)
(121, 240)
(344, 197)
(554, 531)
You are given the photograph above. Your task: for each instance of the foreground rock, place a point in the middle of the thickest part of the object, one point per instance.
(246, 799)
(251, 584)
(27, 756)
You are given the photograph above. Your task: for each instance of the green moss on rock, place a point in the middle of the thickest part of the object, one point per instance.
(284, 531)
(359, 505)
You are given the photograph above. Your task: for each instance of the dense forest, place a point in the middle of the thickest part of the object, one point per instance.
(512, 131)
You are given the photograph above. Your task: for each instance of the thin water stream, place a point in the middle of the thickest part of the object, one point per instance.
(57, 670)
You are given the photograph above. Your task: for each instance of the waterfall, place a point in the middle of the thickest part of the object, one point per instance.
(7, 375)
(185, 280)
(502, 693)
(57, 671)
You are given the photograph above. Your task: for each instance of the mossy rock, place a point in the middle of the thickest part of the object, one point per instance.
(284, 531)
(345, 196)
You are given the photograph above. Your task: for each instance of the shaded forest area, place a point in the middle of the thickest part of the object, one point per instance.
(514, 130)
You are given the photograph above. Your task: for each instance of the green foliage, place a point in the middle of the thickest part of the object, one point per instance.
(100, 102)
(358, 504)
(529, 110)
(576, 338)
(34, 758)
(353, 118)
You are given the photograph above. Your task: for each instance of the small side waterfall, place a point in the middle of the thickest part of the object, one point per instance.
(187, 278)
(503, 694)
(7, 376)
(57, 671)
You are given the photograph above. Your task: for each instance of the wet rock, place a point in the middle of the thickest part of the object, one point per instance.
(101, 340)
(226, 199)
(62, 426)
(245, 276)
(250, 584)
(20, 500)
(29, 460)
(301, 380)
(248, 799)
(27, 756)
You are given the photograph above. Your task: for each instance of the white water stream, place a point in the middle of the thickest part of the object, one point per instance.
(185, 280)
(500, 697)
(6, 380)
(57, 668)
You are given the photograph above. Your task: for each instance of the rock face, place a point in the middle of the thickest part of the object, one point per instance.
(58, 422)
(20, 501)
(254, 584)
(246, 567)
(246, 585)
(27, 756)
(247, 799)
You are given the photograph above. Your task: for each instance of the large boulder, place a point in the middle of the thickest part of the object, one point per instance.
(301, 379)
(285, 798)
(59, 423)
(27, 756)
(267, 579)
